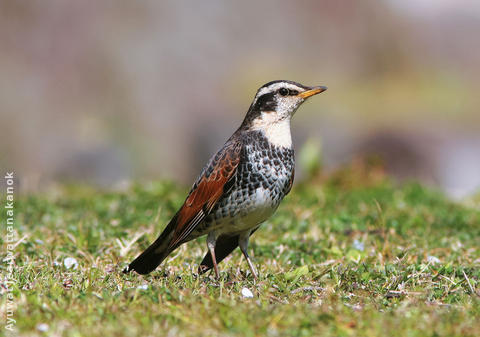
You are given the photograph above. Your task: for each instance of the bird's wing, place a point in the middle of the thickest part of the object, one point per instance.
(215, 180)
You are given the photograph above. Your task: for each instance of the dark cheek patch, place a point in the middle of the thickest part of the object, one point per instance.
(266, 102)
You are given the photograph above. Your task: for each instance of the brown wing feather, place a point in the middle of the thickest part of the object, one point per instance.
(207, 190)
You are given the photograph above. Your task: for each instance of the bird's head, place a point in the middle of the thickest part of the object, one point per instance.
(277, 101)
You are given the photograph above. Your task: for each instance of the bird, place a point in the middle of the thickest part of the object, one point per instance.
(241, 186)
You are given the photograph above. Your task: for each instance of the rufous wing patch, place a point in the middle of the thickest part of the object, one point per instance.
(207, 191)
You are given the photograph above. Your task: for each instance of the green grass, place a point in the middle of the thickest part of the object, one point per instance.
(347, 255)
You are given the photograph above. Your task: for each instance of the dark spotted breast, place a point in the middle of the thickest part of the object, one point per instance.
(264, 176)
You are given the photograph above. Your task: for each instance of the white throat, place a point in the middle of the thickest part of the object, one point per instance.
(277, 132)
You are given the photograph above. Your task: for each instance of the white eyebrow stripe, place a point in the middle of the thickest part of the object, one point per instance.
(275, 87)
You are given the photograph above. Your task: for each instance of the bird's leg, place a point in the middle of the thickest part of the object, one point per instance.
(211, 240)
(243, 243)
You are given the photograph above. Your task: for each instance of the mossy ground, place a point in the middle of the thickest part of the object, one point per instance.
(348, 255)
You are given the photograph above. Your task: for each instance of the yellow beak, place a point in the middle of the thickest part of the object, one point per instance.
(312, 91)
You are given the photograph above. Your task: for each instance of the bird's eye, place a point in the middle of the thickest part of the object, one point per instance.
(283, 91)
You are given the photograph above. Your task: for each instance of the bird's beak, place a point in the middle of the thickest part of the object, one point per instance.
(312, 91)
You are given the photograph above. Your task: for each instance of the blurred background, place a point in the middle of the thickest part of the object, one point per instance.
(108, 92)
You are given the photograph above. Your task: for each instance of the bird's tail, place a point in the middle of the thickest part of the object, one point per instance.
(156, 253)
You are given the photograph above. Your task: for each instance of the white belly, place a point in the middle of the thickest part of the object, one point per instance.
(259, 209)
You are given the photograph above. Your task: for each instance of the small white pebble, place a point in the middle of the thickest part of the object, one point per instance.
(42, 327)
(70, 262)
(247, 293)
(433, 259)
(358, 245)
(457, 245)
(143, 287)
